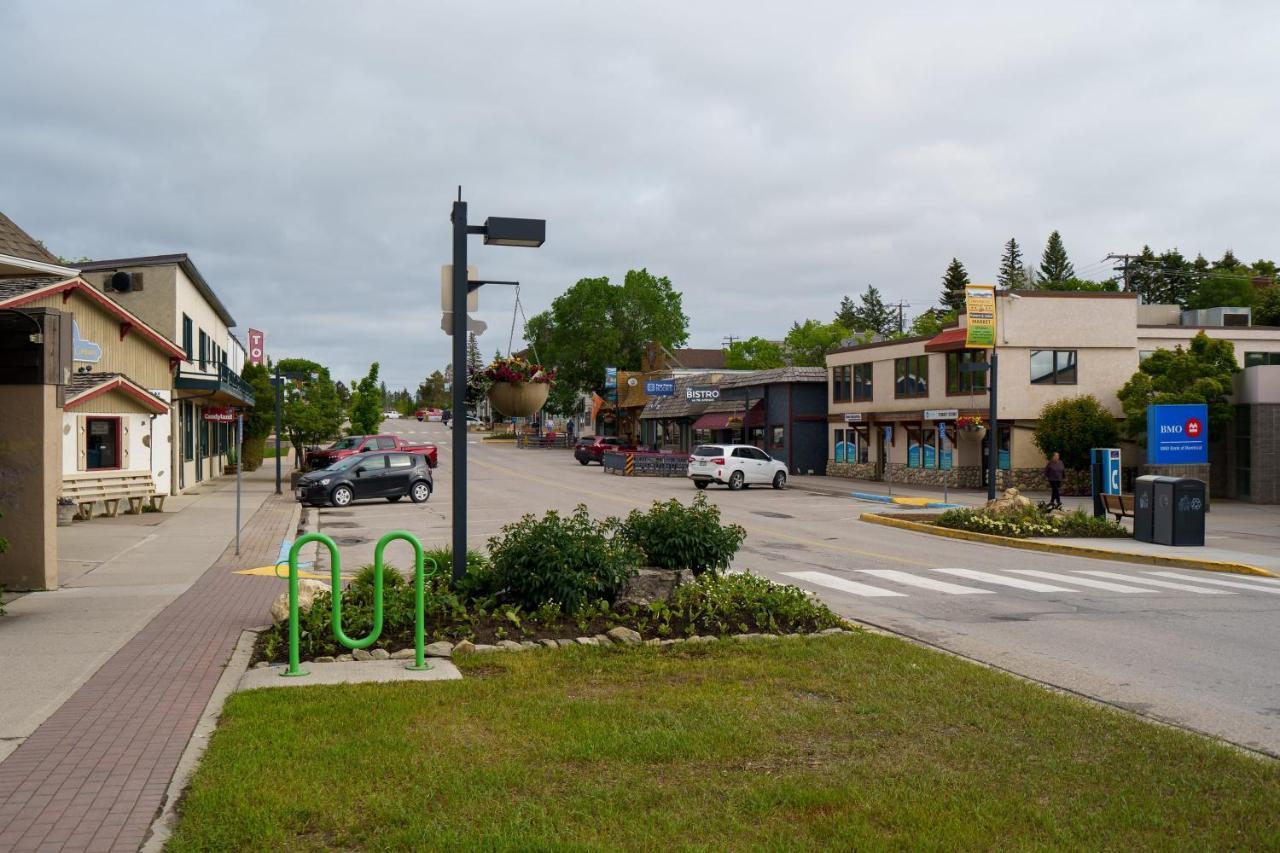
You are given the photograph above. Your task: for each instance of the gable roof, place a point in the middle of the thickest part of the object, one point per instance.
(181, 260)
(776, 376)
(19, 244)
(84, 387)
(698, 359)
(20, 291)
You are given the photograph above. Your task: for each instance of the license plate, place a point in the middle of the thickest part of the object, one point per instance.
(704, 463)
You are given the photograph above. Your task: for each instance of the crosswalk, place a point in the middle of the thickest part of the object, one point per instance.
(895, 583)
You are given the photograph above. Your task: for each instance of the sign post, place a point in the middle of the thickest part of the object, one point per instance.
(887, 439)
(257, 346)
(944, 452)
(239, 468)
(980, 333)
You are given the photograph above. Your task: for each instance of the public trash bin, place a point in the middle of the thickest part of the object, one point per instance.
(1190, 502)
(1143, 507)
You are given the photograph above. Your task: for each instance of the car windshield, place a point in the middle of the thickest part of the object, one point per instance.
(345, 443)
(343, 464)
(708, 450)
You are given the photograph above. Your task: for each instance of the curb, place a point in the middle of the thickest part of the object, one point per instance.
(1068, 550)
(914, 502)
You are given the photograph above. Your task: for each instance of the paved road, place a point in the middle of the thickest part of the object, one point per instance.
(1189, 647)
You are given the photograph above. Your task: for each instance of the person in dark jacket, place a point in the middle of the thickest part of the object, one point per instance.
(1054, 473)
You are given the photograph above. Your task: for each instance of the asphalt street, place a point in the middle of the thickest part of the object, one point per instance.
(1193, 648)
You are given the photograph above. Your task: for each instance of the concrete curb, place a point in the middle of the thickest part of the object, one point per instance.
(1068, 550)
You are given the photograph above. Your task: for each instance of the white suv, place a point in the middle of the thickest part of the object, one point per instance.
(735, 466)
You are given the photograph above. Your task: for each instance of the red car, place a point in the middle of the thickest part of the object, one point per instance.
(592, 448)
(353, 444)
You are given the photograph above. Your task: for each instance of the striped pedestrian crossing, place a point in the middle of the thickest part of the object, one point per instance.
(895, 583)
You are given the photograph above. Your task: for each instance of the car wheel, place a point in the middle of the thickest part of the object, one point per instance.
(394, 498)
(342, 495)
(420, 492)
(780, 480)
(584, 461)
(700, 484)
(737, 481)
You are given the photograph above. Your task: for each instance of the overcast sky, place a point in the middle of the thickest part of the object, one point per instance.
(769, 158)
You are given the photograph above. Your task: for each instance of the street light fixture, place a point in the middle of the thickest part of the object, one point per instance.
(497, 231)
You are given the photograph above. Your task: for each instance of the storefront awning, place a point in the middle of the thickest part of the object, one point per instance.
(948, 340)
(731, 419)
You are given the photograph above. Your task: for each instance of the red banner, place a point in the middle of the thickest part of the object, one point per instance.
(219, 414)
(257, 346)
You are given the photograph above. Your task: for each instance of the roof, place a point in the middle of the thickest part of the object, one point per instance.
(11, 288)
(888, 343)
(84, 387)
(777, 376)
(947, 339)
(19, 244)
(180, 260)
(698, 359)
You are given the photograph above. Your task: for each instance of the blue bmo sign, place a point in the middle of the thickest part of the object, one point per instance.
(660, 387)
(1178, 434)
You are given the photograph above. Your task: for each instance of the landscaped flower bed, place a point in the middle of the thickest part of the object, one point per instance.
(1030, 522)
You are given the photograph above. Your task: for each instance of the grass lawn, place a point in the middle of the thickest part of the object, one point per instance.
(844, 742)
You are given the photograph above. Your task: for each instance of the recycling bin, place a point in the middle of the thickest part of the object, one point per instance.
(1143, 507)
(1190, 503)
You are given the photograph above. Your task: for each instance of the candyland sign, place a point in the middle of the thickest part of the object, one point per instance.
(1178, 434)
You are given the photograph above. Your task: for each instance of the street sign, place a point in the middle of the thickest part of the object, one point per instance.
(941, 414)
(701, 394)
(257, 346)
(660, 387)
(611, 377)
(219, 414)
(852, 417)
(1178, 434)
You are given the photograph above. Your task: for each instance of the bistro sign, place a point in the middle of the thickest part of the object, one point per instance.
(701, 394)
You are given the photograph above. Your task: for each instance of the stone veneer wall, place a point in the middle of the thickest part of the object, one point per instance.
(852, 470)
(1264, 473)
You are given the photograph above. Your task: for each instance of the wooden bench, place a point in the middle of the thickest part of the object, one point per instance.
(1121, 506)
(111, 487)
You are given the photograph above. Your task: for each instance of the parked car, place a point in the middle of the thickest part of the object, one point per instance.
(591, 448)
(390, 415)
(368, 475)
(353, 445)
(736, 466)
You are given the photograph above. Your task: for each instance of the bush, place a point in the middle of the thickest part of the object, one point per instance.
(674, 536)
(1072, 427)
(571, 560)
(727, 604)
(1081, 523)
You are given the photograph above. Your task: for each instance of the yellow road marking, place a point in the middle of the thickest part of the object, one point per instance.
(283, 573)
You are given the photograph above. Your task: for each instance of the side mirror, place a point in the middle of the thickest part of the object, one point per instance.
(359, 472)
(365, 449)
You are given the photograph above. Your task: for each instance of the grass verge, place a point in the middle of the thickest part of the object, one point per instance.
(841, 742)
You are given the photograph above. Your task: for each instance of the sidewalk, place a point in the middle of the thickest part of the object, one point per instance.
(106, 678)
(1235, 532)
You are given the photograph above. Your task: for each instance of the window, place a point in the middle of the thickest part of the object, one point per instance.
(708, 450)
(1053, 367)
(400, 460)
(372, 463)
(961, 381)
(186, 336)
(743, 453)
(1254, 359)
(1144, 354)
(778, 437)
(922, 447)
(911, 376)
(386, 444)
(204, 349)
(203, 427)
(862, 381)
(188, 431)
(840, 384)
(853, 444)
(102, 443)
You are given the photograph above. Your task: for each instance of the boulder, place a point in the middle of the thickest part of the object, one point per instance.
(529, 644)
(510, 646)
(440, 649)
(404, 654)
(484, 648)
(650, 585)
(465, 647)
(587, 641)
(550, 644)
(324, 659)
(307, 590)
(380, 654)
(344, 659)
(625, 636)
(1009, 502)
(362, 654)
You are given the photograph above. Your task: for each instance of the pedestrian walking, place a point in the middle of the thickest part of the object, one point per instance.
(1054, 472)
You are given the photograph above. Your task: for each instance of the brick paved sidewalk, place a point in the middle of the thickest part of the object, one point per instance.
(94, 775)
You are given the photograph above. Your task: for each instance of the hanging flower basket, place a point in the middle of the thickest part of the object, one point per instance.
(516, 387)
(970, 424)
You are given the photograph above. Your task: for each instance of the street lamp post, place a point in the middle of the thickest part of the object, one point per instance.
(497, 231)
(279, 395)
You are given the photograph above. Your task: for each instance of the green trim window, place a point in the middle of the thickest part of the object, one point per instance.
(1255, 359)
(186, 336)
(960, 381)
(911, 376)
(1053, 367)
(862, 381)
(840, 384)
(188, 431)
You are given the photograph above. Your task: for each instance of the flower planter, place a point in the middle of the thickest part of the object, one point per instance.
(66, 514)
(519, 399)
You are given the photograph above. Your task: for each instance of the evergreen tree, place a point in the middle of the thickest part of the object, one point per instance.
(847, 316)
(1054, 263)
(954, 281)
(873, 315)
(474, 360)
(1013, 274)
(1229, 262)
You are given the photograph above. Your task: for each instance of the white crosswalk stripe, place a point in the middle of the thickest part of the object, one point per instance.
(1086, 582)
(1152, 582)
(833, 582)
(1234, 584)
(1001, 580)
(909, 579)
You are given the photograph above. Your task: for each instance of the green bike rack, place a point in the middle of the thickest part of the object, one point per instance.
(419, 579)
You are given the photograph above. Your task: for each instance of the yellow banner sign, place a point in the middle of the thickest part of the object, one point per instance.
(980, 309)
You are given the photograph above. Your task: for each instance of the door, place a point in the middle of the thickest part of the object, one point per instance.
(764, 467)
(399, 472)
(746, 461)
(369, 477)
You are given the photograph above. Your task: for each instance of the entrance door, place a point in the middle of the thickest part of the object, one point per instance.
(370, 479)
(202, 440)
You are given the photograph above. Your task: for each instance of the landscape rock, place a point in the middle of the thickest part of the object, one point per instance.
(440, 649)
(744, 638)
(602, 640)
(404, 654)
(344, 658)
(587, 641)
(510, 646)
(650, 585)
(307, 590)
(566, 643)
(529, 644)
(485, 648)
(701, 639)
(380, 654)
(668, 642)
(465, 647)
(262, 664)
(623, 635)
(1009, 502)
(831, 631)
(653, 641)
(362, 654)
(324, 659)
(550, 644)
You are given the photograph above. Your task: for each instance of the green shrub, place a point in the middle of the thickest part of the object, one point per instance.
(391, 578)
(1030, 521)
(571, 560)
(1081, 523)
(729, 604)
(674, 536)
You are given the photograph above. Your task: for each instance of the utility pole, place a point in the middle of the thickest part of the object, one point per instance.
(1123, 269)
(901, 323)
(728, 340)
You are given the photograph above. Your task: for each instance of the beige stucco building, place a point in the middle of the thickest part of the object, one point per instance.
(1051, 345)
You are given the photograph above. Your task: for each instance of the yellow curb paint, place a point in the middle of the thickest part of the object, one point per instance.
(921, 502)
(1069, 550)
(271, 572)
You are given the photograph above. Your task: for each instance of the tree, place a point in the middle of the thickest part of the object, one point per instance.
(1013, 273)
(366, 404)
(954, 281)
(431, 393)
(261, 419)
(753, 354)
(1080, 284)
(474, 360)
(873, 315)
(1202, 373)
(1224, 287)
(1267, 310)
(1054, 264)
(808, 343)
(344, 394)
(847, 316)
(931, 321)
(595, 324)
(1072, 427)
(312, 411)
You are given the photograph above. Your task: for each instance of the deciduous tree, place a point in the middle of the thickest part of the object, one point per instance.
(808, 343)
(753, 354)
(1201, 373)
(312, 411)
(1072, 427)
(366, 404)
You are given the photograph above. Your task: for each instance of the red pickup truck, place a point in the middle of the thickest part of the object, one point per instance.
(591, 448)
(353, 444)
